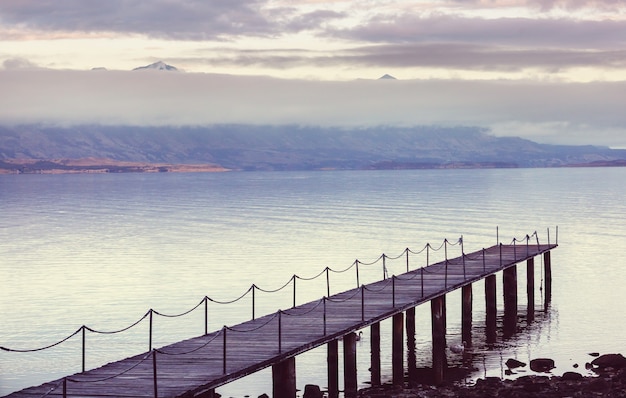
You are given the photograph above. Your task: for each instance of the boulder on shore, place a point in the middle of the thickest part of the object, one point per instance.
(616, 361)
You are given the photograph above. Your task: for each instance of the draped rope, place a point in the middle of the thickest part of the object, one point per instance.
(430, 269)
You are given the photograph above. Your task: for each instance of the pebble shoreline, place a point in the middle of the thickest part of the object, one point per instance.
(610, 381)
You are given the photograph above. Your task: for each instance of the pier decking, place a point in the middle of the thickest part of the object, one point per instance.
(195, 367)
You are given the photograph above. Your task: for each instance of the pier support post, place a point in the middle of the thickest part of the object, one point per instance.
(491, 308)
(530, 289)
(548, 278)
(284, 379)
(333, 368)
(437, 308)
(375, 354)
(466, 314)
(349, 365)
(397, 350)
(410, 346)
(509, 279)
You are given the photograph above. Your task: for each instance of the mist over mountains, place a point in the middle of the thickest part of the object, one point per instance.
(291, 147)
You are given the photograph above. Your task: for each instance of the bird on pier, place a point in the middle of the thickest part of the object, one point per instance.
(358, 336)
(458, 348)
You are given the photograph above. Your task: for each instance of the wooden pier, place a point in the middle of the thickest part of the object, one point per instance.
(197, 366)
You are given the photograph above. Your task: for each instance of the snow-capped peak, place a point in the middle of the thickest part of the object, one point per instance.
(159, 65)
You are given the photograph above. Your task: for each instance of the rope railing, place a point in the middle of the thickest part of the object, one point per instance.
(361, 289)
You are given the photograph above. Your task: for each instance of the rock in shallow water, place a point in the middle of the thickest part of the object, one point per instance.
(542, 365)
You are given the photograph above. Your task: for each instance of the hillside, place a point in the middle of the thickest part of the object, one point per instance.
(248, 147)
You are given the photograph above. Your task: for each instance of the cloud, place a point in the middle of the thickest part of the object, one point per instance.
(190, 19)
(511, 32)
(422, 55)
(532, 109)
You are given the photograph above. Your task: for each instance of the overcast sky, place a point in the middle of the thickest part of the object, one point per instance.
(550, 70)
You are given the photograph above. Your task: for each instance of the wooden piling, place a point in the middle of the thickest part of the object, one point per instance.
(547, 277)
(437, 306)
(375, 354)
(332, 360)
(491, 308)
(410, 346)
(397, 351)
(349, 365)
(284, 378)
(530, 289)
(466, 314)
(509, 279)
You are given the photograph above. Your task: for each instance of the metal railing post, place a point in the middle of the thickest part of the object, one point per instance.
(280, 331)
(154, 373)
(253, 300)
(294, 291)
(327, 282)
(407, 259)
(324, 305)
(384, 267)
(484, 261)
(224, 350)
(393, 291)
(206, 315)
(362, 302)
(150, 338)
(358, 283)
(83, 354)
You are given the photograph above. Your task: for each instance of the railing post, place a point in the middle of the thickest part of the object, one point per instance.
(464, 275)
(154, 373)
(206, 315)
(500, 254)
(422, 280)
(224, 329)
(462, 249)
(150, 338)
(362, 302)
(407, 259)
(393, 291)
(253, 300)
(294, 291)
(527, 249)
(384, 267)
(514, 250)
(484, 261)
(327, 282)
(548, 236)
(280, 331)
(445, 248)
(65, 387)
(446, 275)
(83, 328)
(358, 283)
(324, 305)
(427, 253)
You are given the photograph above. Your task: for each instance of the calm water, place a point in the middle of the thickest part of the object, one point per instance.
(100, 250)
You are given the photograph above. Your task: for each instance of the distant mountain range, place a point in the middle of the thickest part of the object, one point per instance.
(255, 147)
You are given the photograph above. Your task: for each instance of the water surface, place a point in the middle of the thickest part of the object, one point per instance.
(100, 250)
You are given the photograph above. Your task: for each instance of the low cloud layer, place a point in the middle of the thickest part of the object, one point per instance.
(551, 112)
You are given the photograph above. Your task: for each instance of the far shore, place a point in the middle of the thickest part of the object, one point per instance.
(99, 165)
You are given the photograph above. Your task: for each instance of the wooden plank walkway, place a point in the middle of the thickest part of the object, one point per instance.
(190, 367)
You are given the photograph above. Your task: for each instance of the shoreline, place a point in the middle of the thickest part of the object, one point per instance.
(609, 381)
